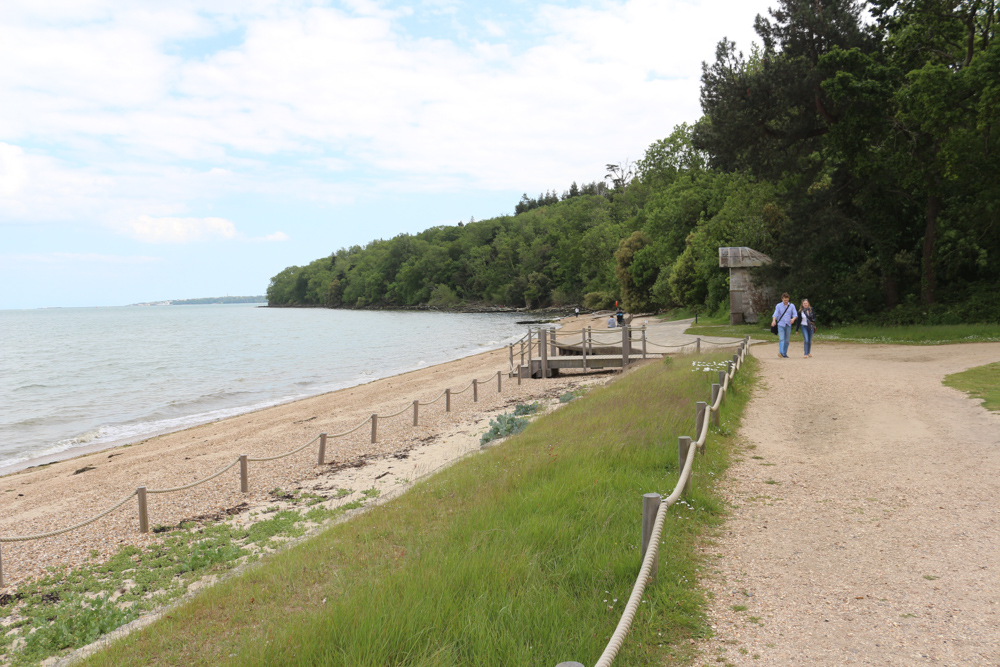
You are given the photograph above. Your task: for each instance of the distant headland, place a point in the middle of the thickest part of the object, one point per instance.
(208, 299)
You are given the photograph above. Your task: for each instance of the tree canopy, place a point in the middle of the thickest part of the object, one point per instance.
(861, 154)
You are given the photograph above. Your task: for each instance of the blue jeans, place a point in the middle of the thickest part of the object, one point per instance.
(783, 334)
(807, 335)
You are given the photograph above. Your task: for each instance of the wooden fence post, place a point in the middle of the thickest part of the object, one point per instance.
(374, 428)
(529, 354)
(683, 449)
(722, 378)
(322, 449)
(143, 513)
(447, 400)
(650, 505)
(416, 412)
(543, 346)
(625, 346)
(697, 345)
(244, 474)
(716, 388)
(583, 347)
(644, 342)
(520, 374)
(499, 385)
(475, 390)
(553, 350)
(699, 418)
(512, 355)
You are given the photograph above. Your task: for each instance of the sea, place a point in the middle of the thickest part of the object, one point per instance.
(85, 377)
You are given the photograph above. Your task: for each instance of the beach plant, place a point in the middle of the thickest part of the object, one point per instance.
(524, 554)
(503, 426)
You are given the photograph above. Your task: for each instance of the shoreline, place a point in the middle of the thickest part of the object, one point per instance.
(62, 493)
(76, 451)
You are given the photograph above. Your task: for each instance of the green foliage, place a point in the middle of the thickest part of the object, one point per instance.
(504, 425)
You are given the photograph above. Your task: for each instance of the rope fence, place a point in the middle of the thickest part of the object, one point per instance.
(654, 509)
(243, 461)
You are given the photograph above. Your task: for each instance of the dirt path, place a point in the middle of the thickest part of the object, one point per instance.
(865, 521)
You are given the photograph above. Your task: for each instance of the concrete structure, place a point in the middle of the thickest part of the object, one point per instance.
(741, 289)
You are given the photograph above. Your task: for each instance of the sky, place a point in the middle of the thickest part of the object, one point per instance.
(170, 150)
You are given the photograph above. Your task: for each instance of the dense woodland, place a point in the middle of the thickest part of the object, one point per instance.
(859, 147)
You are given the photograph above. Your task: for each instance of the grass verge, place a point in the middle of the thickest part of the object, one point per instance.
(70, 608)
(857, 333)
(979, 382)
(522, 555)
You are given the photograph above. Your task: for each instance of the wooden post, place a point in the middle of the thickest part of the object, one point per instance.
(374, 428)
(553, 350)
(529, 353)
(697, 345)
(683, 449)
(625, 346)
(475, 390)
(650, 505)
(522, 352)
(716, 388)
(590, 341)
(543, 346)
(729, 367)
(244, 474)
(583, 348)
(143, 513)
(520, 374)
(416, 412)
(512, 355)
(499, 385)
(322, 449)
(447, 400)
(644, 342)
(736, 359)
(722, 378)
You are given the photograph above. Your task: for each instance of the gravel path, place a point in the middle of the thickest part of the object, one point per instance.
(864, 523)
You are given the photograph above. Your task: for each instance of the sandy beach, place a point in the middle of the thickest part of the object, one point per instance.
(59, 494)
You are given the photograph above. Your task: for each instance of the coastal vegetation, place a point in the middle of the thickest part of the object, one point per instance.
(523, 554)
(859, 153)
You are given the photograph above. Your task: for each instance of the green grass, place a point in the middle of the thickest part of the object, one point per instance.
(67, 608)
(979, 382)
(522, 555)
(857, 333)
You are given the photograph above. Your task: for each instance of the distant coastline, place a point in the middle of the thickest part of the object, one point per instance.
(205, 300)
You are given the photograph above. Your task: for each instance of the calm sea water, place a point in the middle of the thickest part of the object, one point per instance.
(71, 377)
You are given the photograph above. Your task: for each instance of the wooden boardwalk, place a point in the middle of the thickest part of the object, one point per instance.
(541, 356)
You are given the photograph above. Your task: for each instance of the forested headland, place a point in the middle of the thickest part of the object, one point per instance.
(859, 147)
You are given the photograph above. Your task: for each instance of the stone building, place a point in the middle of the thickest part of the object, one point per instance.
(745, 300)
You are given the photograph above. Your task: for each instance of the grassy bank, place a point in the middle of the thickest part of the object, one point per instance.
(857, 333)
(979, 382)
(524, 554)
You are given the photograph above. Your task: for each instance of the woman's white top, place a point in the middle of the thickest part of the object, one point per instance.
(805, 318)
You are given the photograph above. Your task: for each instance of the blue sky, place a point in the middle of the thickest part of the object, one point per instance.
(154, 150)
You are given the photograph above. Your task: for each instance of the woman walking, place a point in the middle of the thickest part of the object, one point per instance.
(784, 315)
(807, 323)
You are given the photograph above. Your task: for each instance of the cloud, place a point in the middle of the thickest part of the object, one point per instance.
(178, 230)
(277, 236)
(13, 173)
(332, 102)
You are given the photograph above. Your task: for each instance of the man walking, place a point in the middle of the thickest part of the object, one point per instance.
(784, 315)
